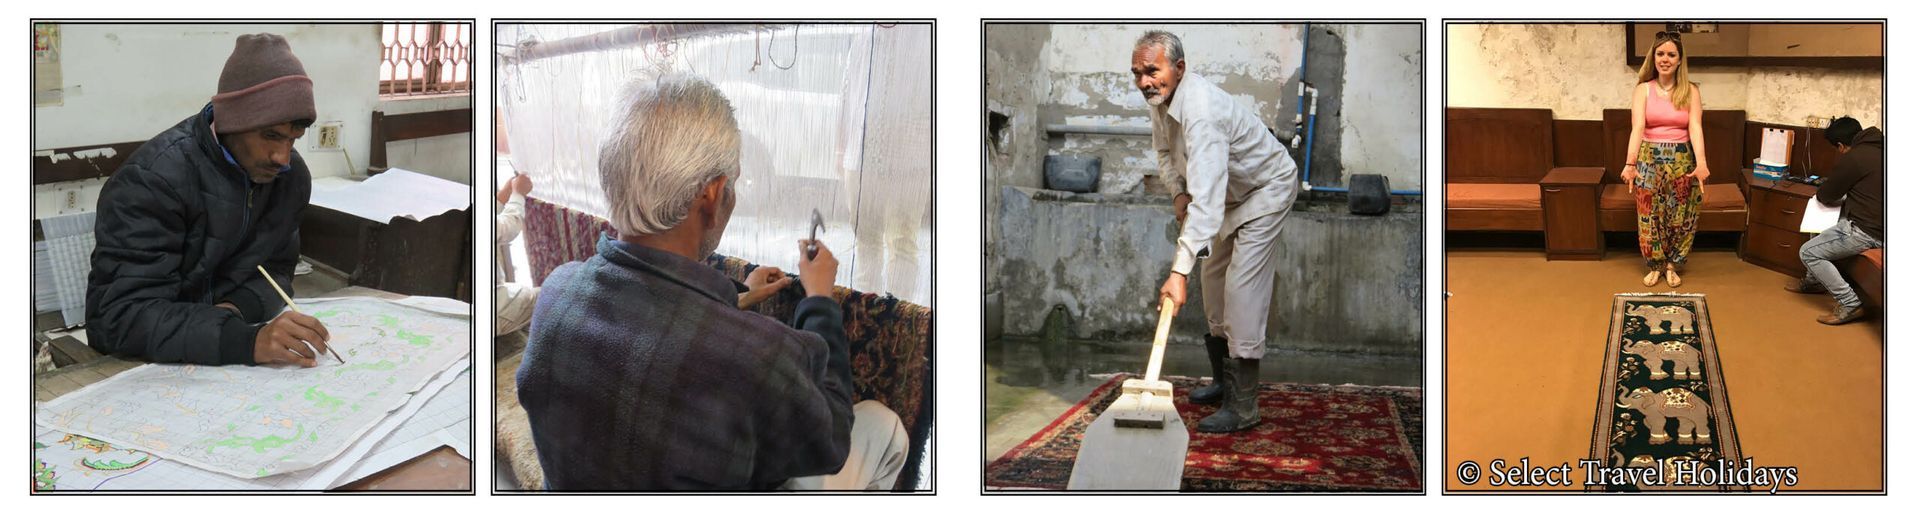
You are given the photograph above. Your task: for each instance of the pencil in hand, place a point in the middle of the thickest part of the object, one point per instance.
(291, 306)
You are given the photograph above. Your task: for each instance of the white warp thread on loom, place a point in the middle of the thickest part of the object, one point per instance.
(805, 132)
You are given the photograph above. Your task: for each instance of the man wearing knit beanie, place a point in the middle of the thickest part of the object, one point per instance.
(185, 223)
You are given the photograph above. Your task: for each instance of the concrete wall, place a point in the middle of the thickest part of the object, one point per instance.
(1370, 77)
(1580, 69)
(1380, 98)
(1016, 85)
(1084, 80)
(1345, 283)
(126, 83)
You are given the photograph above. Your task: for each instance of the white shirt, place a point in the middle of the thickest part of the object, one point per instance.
(1217, 151)
(506, 226)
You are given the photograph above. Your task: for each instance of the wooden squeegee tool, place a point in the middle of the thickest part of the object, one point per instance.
(1150, 389)
(1139, 442)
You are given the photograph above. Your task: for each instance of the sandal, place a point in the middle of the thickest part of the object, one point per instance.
(1673, 277)
(1653, 277)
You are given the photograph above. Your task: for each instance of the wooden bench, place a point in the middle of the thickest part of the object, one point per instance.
(1868, 272)
(431, 257)
(1495, 159)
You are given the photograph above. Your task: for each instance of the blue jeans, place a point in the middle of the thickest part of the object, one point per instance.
(1839, 242)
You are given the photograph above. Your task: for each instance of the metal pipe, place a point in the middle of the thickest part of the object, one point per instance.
(626, 37)
(1104, 130)
(1306, 175)
(1313, 114)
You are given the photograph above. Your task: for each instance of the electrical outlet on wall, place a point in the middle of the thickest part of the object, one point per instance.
(329, 136)
(1815, 121)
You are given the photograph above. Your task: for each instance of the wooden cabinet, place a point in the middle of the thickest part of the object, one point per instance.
(1570, 208)
(1773, 236)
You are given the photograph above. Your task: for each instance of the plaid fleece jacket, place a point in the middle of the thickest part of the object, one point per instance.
(641, 374)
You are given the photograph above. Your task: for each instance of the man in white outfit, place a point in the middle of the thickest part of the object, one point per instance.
(1233, 184)
(513, 302)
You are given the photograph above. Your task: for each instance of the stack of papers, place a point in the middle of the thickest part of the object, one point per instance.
(1819, 217)
(170, 427)
(395, 193)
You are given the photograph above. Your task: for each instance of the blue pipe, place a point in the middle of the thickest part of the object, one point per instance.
(1306, 175)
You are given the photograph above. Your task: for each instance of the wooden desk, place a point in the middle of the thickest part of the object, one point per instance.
(442, 469)
(1773, 236)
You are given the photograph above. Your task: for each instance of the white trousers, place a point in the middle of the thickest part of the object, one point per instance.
(875, 455)
(1236, 284)
(513, 307)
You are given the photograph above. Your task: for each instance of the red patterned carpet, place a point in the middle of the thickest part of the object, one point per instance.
(1310, 438)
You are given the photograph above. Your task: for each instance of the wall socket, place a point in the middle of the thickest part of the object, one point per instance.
(329, 136)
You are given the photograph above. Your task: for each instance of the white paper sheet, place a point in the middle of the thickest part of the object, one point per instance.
(257, 421)
(445, 420)
(1775, 146)
(1819, 217)
(342, 470)
(395, 193)
(64, 462)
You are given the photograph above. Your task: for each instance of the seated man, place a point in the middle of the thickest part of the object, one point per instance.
(512, 301)
(642, 372)
(1858, 186)
(185, 223)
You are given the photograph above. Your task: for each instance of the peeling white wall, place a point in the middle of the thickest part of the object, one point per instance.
(1578, 70)
(1788, 95)
(1089, 66)
(1015, 86)
(1087, 81)
(1380, 103)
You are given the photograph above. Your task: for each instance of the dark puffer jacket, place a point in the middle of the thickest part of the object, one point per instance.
(180, 228)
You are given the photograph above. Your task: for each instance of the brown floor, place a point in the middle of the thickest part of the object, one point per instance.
(1523, 343)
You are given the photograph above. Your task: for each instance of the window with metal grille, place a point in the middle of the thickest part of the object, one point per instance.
(425, 58)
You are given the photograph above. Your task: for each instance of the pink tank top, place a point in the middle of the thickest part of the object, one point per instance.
(1665, 124)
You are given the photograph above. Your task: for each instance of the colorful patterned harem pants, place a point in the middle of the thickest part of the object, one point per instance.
(1668, 203)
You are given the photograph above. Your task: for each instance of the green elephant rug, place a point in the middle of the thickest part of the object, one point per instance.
(1663, 420)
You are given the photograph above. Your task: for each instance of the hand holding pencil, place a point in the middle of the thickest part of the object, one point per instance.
(292, 337)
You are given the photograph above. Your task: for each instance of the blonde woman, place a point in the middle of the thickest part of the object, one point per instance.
(1662, 167)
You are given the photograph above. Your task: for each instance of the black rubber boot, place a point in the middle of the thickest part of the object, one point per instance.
(1217, 356)
(1241, 410)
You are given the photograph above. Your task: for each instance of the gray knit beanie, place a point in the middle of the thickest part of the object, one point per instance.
(262, 85)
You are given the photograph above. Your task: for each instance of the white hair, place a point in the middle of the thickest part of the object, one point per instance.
(1167, 42)
(676, 133)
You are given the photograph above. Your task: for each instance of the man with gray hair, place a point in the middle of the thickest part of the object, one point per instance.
(1233, 183)
(641, 373)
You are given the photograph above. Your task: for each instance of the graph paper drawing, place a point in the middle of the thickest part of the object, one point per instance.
(444, 420)
(67, 461)
(258, 421)
(59, 464)
(69, 253)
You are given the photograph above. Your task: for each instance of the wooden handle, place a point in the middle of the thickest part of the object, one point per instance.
(1160, 339)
